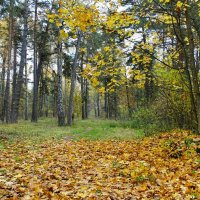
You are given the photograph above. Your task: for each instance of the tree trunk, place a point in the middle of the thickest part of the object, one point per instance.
(65, 95)
(106, 102)
(115, 105)
(46, 106)
(184, 57)
(55, 94)
(192, 98)
(41, 46)
(3, 73)
(7, 97)
(86, 99)
(82, 91)
(41, 94)
(26, 94)
(73, 81)
(7, 90)
(34, 116)
(60, 109)
(16, 100)
(46, 94)
(98, 105)
(128, 98)
(192, 66)
(14, 81)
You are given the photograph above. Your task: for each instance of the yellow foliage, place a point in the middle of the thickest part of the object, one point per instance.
(105, 65)
(94, 82)
(76, 16)
(63, 34)
(58, 24)
(106, 49)
(179, 4)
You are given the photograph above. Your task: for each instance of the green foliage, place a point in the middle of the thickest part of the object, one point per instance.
(188, 141)
(1, 145)
(148, 120)
(166, 112)
(140, 178)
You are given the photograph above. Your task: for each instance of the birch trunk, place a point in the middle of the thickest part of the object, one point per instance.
(73, 81)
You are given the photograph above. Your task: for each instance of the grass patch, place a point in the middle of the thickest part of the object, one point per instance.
(2, 146)
(46, 129)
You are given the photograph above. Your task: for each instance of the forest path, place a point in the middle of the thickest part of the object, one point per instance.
(47, 129)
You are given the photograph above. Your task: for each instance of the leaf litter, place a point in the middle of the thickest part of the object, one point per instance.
(166, 166)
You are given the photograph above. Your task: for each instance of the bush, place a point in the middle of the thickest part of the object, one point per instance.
(150, 121)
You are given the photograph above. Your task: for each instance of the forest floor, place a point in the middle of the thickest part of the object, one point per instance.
(97, 160)
(47, 129)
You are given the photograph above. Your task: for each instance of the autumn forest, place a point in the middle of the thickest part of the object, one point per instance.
(99, 99)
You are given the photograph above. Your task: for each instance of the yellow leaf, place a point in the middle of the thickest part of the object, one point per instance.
(106, 49)
(63, 34)
(102, 90)
(19, 176)
(58, 24)
(62, 10)
(142, 188)
(95, 82)
(125, 171)
(179, 4)
(133, 174)
(51, 20)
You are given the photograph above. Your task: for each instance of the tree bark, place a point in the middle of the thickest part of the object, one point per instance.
(60, 109)
(41, 94)
(7, 90)
(14, 81)
(192, 66)
(73, 81)
(26, 94)
(128, 98)
(86, 99)
(82, 91)
(115, 104)
(3, 73)
(55, 94)
(65, 95)
(98, 105)
(34, 116)
(16, 100)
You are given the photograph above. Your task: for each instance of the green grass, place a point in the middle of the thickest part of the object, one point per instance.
(2, 146)
(47, 129)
